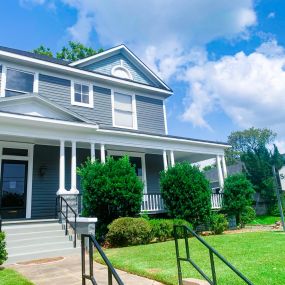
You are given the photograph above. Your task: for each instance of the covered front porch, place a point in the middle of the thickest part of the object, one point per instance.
(38, 160)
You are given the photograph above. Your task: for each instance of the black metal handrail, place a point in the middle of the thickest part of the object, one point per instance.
(0, 224)
(60, 199)
(111, 270)
(212, 253)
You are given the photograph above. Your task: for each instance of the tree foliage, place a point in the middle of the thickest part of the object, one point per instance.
(72, 52)
(238, 195)
(186, 193)
(110, 190)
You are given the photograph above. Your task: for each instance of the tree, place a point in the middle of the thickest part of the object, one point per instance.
(74, 51)
(186, 193)
(238, 195)
(43, 51)
(110, 190)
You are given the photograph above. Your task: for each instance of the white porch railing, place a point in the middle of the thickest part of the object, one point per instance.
(153, 202)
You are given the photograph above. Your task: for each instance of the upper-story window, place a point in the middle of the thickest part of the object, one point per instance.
(124, 114)
(82, 95)
(18, 82)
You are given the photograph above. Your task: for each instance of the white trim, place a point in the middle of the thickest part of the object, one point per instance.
(61, 189)
(73, 189)
(3, 80)
(165, 118)
(224, 166)
(134, 108)
(29, 158)
(165, 165)
(133, 154)
(220, 173)
(92, 152)
(102, 153)
(77, 71)
(36, 83)
(81, 104)
(172, 159)
(112, 50)
(124, 69)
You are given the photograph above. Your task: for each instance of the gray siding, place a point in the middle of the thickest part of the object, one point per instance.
(154, 164)
(59, 90)
(150, 115)
(45, 187)
(0, 75)
(105, 66)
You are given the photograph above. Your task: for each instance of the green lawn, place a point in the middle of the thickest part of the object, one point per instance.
(12, 277)
(265, 220)
(259, 256)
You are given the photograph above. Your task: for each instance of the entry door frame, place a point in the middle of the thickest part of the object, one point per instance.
(29, 158)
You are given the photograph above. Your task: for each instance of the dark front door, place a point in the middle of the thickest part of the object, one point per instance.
(13, 189)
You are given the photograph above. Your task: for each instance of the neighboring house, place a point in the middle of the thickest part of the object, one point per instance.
(54, 114)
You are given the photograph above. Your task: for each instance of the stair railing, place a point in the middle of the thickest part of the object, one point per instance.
(186, 231)
(64, 213)
(92, 242)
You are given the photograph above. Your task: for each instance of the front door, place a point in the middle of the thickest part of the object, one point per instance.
(13, 188)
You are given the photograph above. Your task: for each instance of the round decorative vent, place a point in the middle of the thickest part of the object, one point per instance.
(122, 72)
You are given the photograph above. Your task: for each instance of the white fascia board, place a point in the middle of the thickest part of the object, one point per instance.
(76, 71)
(128, 52)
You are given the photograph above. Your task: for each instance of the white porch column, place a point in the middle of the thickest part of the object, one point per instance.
(92, 145)
(172, 160)
(61, 189)
(103, 157)
(224, 166)
(73, 189)
(220, 173)
(165, 160)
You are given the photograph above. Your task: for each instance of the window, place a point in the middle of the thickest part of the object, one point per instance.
(124, 111)
(82, 95)
(18, 82)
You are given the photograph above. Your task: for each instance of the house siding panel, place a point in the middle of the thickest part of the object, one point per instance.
(154, 164)
(105, 66)
(59, 90)
(150, 115)
(45, 187)
(0, 76)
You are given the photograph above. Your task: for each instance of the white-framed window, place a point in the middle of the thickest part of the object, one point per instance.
(17, 81)
(124, 110)
(81, 94)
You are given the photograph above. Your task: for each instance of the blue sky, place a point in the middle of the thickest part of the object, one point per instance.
(224, 59)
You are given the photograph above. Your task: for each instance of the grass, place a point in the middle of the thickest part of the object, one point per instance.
(265, 220)
(12, 277)
(257, 255)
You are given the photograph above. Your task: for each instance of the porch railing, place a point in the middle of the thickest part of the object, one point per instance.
(153, 202)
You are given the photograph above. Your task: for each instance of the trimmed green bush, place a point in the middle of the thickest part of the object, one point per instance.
(186, 193)
(238, 195)
(219, 223)
(129, 231)
(247, 215)
(110, 190)
(161, 229)
(3, 251)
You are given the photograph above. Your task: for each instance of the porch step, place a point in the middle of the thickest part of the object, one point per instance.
(39, 239)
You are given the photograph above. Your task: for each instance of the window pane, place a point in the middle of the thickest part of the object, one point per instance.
(20, 81)
(123, 119)
(85, 89)
(77, 97)
(15, 151)
(9, 93)
(85, 99)
(137, 162)
(77, 88)
(123, 102)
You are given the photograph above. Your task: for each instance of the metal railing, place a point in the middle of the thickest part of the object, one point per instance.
(212, 253)
(92, 242)
(0, 224)
(217, 200)
(64, 213)
(152, 202)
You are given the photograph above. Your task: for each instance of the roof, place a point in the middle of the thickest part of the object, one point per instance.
(35, 55)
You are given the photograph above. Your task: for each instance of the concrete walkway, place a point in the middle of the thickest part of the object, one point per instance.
(68, 271)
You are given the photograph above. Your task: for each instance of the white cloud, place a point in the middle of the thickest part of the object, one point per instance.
(271, 15)
(250, 89)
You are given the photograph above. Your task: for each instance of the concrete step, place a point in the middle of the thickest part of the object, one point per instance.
(193, 281)
(30, 235)
(31, 228)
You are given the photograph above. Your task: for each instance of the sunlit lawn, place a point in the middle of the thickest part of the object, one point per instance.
(260, 256)
(12, 277)
(265, 220)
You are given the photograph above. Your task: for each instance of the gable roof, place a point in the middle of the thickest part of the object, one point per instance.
(129, 55)
(40, 99)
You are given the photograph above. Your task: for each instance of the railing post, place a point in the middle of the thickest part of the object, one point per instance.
(75, 232)
(213, 267)
(83, 259)
(90, 257)
(177, 256)
(110, 280)
(66, 215)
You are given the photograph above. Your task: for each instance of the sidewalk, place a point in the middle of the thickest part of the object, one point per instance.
(68, 271)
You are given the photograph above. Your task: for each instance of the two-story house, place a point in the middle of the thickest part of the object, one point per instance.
(54, 114)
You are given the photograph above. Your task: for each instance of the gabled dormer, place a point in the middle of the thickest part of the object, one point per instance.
(120, 62)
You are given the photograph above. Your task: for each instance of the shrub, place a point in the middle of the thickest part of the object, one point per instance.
(186, 193)
(3, 252)
(110, 190)
(129, 231)
(161, 229)
(247, 215)
(219, 223)
(180, 222)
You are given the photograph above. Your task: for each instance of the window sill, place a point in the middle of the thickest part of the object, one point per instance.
(127, 128)
(82, 105)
